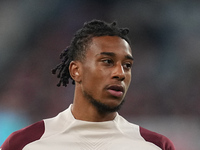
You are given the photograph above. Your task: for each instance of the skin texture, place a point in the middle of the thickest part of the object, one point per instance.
(105, 69)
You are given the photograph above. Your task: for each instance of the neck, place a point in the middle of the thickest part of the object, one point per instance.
(90, 113)
(83, 109)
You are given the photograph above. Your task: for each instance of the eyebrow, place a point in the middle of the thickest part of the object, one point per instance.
(113, 54)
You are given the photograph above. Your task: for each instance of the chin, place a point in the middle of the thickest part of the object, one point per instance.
(113, 104)
(106, 108)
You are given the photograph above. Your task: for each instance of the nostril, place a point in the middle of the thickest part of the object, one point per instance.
(119, 77)
(122, 78)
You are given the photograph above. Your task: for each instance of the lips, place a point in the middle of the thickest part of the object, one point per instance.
(116, 90)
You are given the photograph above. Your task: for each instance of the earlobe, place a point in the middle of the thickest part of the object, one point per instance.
(74, 70)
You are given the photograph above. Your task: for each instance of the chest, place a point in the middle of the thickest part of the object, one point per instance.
(91, 141)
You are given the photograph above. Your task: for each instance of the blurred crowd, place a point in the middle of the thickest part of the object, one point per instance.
(165, 39)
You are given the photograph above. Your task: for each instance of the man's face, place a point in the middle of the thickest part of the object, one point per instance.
(106, 72)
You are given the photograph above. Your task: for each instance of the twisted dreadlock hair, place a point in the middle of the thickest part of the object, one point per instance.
(77, 48)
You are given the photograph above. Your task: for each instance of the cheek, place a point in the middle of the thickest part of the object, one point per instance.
(92, 76)
(97, 79)
(128, 80)
(94, 82)
(100, 75)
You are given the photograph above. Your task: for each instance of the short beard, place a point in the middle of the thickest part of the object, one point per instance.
(101, 107)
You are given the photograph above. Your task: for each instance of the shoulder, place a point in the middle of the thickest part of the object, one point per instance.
(160, 140)
(17, 140)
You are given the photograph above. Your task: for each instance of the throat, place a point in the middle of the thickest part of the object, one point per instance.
(101, 107)
(91, 114)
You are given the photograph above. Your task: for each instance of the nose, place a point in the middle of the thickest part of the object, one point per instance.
(119, 73)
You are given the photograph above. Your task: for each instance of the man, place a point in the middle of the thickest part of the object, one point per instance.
(99, 61)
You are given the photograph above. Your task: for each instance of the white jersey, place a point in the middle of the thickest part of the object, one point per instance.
(65, 132)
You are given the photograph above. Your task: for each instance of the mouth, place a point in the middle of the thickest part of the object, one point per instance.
(116, 90)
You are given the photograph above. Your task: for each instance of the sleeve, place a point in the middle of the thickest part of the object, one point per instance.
(17, 140)
(161, 141)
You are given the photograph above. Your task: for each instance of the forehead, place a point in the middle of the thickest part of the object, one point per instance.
(113, 44)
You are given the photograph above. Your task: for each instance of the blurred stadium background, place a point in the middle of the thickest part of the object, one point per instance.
(165, 92)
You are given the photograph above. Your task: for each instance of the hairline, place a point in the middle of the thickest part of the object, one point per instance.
(87, 45)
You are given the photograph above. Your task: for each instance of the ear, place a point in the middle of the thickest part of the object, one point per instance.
(74, 70)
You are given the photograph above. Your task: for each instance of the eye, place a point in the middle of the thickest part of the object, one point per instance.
(108, 61)
(127, 65)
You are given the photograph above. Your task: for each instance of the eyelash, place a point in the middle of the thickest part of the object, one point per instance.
(128, 65)
(108, 61)
(111, 62)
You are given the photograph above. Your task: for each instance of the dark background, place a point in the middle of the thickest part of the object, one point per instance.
(165, 91)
